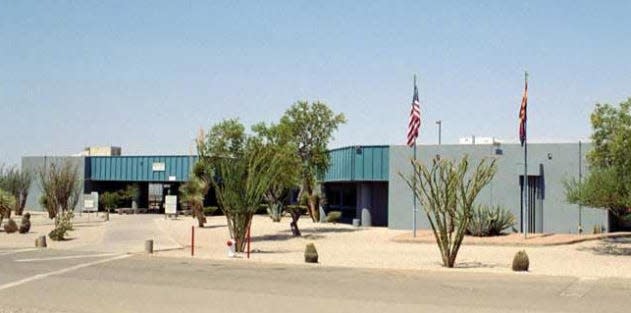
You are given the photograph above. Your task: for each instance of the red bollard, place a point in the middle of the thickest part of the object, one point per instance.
(192, 240)
(249, 227)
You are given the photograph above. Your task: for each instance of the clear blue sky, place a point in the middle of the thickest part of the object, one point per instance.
(146, 76)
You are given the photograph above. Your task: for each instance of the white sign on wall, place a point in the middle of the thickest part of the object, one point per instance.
(170, 204)
(88, 204)
(158, 166)
(172, 178)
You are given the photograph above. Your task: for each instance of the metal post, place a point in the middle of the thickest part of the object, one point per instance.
(580, 180)
(526, 215)
(526, 195)
(439, 122)
(414, 207)
(414, 186)
(149, 246)
(192, 240)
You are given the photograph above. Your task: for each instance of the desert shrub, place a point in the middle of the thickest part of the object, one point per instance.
(487, 221)
(210, 210)
(333, 217)
(7, 203)
(311, 254)
(64, 225)
(521, 262)
(25, 224)
(10, 226)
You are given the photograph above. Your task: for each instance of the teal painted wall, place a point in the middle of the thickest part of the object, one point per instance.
(360, 163)
(139, 168)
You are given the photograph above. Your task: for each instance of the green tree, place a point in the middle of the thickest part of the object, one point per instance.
(447, 192)
(311, 127)
(278, 138)
(608, 183)
(131, 193)
(241, 169)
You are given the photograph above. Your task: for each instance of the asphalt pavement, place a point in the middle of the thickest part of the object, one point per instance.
(78, 281)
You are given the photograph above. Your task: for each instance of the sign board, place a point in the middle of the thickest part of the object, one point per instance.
(172, 178)
(88, 204)
(158, 167)
(170, 205)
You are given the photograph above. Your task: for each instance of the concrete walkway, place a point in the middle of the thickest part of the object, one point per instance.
(128, 233)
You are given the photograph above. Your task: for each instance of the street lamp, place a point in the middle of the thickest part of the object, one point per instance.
(439, 123)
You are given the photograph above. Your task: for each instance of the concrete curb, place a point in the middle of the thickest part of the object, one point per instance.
(481, 242)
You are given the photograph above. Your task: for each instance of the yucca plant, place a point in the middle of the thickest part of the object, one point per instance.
(192, 194)
(489, 221)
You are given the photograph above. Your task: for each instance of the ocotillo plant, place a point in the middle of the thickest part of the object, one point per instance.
(447, 191)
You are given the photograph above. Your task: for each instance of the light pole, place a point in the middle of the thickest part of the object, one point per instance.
(439, 123)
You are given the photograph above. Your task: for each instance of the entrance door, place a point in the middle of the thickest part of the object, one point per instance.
(534, 199)
(156, 195)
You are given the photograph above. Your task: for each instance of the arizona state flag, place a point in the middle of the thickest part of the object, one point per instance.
(523, 113)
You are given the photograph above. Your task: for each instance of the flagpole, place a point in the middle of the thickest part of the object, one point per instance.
(526, 215)
(414, 186)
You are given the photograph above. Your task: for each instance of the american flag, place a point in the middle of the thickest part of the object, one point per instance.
(522, 114)
(415, 118)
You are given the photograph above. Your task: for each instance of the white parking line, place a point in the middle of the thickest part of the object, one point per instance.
(62, 271)
(68, 257)
(17, 251)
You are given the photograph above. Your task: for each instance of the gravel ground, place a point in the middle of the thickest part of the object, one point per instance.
(346, 246)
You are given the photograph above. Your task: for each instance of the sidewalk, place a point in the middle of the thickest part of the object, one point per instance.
(121, 234)
(128, 233)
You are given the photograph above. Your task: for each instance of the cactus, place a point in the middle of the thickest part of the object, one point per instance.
(333, 217)
(311, 254)
(521, 262)
(10, 226)
(25, 224)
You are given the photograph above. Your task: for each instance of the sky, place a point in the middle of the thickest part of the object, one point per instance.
(147, 76)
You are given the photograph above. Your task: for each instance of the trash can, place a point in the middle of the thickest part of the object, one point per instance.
(356, 222)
